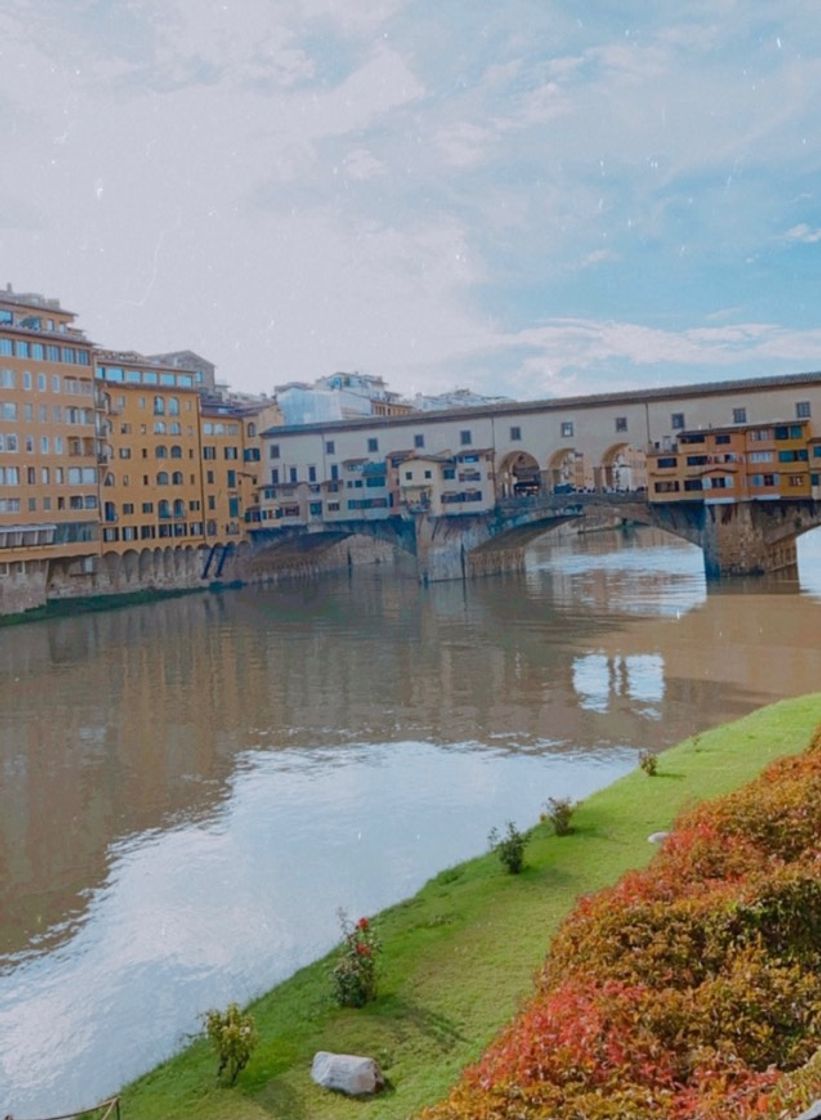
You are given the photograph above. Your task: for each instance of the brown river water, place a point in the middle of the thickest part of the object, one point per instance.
(190, 789)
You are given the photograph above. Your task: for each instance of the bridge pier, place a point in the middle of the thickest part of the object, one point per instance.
(748, 539)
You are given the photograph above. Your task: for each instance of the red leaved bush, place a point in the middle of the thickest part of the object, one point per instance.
(690, 990)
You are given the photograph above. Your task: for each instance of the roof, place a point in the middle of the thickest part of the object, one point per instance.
(557, 404)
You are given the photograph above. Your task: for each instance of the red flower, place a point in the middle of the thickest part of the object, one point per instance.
(362, 923)
(362, 949)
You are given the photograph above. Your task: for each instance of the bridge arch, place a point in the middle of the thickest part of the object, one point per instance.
(567, 470)
(519, 475)
(622, 469)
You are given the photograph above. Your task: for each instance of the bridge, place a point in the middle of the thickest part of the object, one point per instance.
(742, 539)
(464, 491)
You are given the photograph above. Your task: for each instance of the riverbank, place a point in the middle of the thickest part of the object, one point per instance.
(460, 954)
(93, 604)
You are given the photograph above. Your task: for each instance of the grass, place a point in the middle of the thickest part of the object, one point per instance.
(460, 954)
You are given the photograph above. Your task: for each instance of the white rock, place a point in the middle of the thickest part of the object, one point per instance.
(658, 837)
(347, 1073)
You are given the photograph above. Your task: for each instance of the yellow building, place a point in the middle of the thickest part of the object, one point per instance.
(48, 447)
(151, 489)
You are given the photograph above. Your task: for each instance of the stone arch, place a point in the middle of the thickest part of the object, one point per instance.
(519, 475)
(113, 568)
(623, 468)
(158, 568)
(145, 566)
(168, 562)
(565, 470)
(131, 565)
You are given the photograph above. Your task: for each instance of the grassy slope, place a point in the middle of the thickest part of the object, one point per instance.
(460, 954)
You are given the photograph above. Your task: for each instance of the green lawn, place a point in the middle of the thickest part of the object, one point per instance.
(460, 954)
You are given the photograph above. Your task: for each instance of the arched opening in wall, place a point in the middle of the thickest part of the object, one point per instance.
(808, 552)
(567, 471)
(145, 569)
(623, 469)
(130, 565)
(519, 475)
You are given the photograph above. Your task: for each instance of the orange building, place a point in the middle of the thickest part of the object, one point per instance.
(736, 463)
(48, 446)
(151, 489)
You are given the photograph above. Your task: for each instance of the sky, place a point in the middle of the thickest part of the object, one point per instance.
(534, 198)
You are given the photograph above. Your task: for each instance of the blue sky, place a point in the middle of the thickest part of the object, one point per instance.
(534, 198)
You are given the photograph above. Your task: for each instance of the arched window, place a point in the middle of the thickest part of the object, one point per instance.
(160, 451)
(176, 478)
(174, 428)
(179, 508)
(162, 479)
(159, 406)
(176, 451)
(159, 427)
(173, 406)
(164, 509)
(252, 429)
(109, 479)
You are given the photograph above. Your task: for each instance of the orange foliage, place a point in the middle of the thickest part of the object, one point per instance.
(686, 991)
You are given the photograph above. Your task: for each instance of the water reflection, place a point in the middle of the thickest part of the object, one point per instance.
(190, 789)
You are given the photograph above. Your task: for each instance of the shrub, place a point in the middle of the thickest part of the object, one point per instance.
(234, 1038)
(649, 763)
(559, 811)
(689, 990)
(353, 976)
(509, 847)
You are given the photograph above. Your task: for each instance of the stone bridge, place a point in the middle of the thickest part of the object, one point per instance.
(745, 538)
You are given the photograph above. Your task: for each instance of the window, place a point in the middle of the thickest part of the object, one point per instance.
(515, 433)
(209, 452)
(173, 406)
(335, 469)
(176, 478)
(739, 415)
(330, 447)
(148, 507)
(162, 478)
(176, 451)
(760, 456)
(312, 474)
(292, 475)
(567, 429)
(7, 379)
(55, 383)
(419, 441)
(803, 410)
(159, 406)
(274, 476)
(273, 451)
(230, 453)
(677, 421)
(465, 438)
(428, 474)
(373, 444)
(212, 502)
(160, 451)
(8, 411)
(621, 423)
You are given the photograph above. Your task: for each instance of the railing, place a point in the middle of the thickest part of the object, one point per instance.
(108, 1110)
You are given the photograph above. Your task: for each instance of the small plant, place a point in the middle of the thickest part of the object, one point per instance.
(649, 763)
(234, 1038)
(354, 974)
(559, 811)
(509, 847)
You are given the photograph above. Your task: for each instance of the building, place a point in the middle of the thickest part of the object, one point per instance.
(456, 398)
(204, 372)
(339, 396)
(49, 447)
(737, 463)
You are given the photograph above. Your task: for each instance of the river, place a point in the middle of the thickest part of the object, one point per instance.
(192, 788)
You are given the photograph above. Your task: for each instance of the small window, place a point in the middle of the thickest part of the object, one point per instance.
(567, 429)
(621, 423)
(418, 441)
(677, 421)
(273, 451)
(739, 415)
(465, 438)
(330, 447)
(292, 474)
(515, 433)
(803, 410)
(428, 474)
(312, 474)
(373, 444)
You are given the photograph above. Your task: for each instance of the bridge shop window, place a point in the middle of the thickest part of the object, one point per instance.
(273, 451)
(567, 429)
(515, 434)
(418, 441)
(677, 421)
(373, 444)
(621, 423)
(330, 447)
(803, 410)
(465, 437)
(739, 415)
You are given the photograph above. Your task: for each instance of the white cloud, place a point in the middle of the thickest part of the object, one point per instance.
(804, 234)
